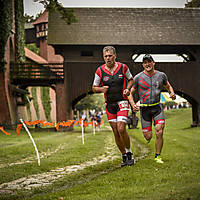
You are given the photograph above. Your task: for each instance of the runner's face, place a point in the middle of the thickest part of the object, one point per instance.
(109, 58)
(148, 65)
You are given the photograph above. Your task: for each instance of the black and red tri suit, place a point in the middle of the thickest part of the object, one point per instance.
(117, 106)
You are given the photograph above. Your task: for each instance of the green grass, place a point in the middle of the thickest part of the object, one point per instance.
(178, 178)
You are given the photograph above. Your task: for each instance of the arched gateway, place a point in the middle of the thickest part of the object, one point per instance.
(131, 31)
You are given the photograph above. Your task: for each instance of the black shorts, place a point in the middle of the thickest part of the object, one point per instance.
(117, 111)
(149, 114)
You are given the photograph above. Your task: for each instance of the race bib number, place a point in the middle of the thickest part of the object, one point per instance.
(123, 105)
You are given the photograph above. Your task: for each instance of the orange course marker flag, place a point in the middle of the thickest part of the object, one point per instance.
(1, 128)
(57, 126)
(28, 123)
(102, 121)
(76, 122)
(19, 126)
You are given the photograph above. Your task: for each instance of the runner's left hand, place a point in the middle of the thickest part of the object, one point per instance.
(172, 96)
(135, 108)
(126, 92)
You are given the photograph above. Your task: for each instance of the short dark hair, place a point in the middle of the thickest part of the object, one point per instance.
(147, 57)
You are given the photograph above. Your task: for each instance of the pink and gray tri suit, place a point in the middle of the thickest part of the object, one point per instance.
(116, 104)
(149, 89)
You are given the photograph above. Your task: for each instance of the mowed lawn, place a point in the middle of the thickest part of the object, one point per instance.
(178, 178)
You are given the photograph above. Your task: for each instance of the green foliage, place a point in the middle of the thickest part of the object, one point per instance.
(6, 26)
(33, 48)
(46, 102)
(6, 17)
(20, 32)
(28, 18)
(66, 13)
(35, 102)
(31, 18)
(90, 102)
(29, 111)
(193, 4)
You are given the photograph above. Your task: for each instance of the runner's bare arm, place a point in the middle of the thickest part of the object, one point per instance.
(129, 86)
(97, 89)
(170, 90)
(131, 100)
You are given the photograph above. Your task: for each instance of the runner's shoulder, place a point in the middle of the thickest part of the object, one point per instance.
(159, 72)
(138, 75)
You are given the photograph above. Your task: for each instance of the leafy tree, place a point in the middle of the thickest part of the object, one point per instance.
(53, 5)
(5, 30)
(91, 102)
(193, 4)
(30, 19)
(20, 32)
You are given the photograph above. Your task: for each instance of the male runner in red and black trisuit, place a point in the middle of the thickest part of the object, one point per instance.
(115, 81)
(149, 84)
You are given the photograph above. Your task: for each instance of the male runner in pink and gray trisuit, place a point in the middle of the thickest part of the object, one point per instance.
(149, 84)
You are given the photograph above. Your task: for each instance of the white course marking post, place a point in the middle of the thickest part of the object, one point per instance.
(82, 132)
(93, 127)
(28, 100)
(38, 157)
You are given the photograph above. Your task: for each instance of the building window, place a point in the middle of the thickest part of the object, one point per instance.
(86, 53)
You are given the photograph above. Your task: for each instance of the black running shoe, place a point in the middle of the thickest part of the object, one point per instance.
(130, 159)
(124, 160)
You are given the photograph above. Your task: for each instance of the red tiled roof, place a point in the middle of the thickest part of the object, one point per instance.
(43, 18)
(33, 56)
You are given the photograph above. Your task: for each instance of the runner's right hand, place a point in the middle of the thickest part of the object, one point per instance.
(105, 89)
(135, 108)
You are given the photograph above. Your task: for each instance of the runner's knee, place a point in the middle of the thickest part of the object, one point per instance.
(159, 130)
(121, 127)
(148, 135)
(121, 130)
